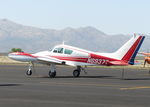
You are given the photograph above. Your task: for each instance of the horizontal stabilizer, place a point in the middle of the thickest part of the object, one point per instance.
(118, 63)
(137, 62)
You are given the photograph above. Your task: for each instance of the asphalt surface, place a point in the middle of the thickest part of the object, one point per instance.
(101, 87)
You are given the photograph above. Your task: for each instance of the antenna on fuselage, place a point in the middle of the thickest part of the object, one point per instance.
(63, 43)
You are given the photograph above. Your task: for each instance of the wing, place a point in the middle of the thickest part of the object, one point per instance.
(49, 60)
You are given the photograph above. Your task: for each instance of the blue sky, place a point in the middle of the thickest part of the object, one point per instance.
(109, 16)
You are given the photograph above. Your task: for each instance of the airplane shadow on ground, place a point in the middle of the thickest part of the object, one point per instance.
(136, 79)
(84, 77)
(6, 85)
(98, 77)
(75, 77)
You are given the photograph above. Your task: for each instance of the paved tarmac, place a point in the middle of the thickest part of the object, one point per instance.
(101, 87)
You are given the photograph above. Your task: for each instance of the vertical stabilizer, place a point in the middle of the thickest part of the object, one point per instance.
(130, 49)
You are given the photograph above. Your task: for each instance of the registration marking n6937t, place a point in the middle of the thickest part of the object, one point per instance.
(97, 61)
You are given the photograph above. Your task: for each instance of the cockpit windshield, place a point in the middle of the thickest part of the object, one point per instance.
(58, 50)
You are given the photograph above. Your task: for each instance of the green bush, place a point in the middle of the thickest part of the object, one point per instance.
(16, 50)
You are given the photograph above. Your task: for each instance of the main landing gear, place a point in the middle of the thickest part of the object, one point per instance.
(52, 72)
(76, 72)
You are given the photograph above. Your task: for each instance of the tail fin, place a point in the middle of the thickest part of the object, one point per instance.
(130, 49)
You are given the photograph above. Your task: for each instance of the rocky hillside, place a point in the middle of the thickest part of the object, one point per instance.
(32, 39)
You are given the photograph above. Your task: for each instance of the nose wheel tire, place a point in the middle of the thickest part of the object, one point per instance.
(76, 73)
(29, 72)
(52, 74)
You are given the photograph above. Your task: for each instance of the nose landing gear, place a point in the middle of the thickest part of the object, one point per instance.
(29, 71)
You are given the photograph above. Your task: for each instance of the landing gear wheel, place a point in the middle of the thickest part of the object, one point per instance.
(29, 72)
(76, 73)
(52, 74)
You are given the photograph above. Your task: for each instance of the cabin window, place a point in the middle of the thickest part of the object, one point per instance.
(58, 50)
(67, 51)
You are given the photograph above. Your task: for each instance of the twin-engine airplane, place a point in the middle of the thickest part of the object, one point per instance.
(72, 56)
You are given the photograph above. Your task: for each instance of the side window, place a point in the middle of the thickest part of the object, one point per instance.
(58, 50)
(67, 51)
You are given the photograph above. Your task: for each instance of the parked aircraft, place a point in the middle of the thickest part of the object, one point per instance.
(73, 56)
(147, 58)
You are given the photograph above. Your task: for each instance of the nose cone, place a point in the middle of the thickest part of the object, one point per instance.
(20, 56)
(10, 55)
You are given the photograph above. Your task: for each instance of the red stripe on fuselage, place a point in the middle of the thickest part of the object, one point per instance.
(95, 56)
(92, 59)
(77, 59)
(103, 59)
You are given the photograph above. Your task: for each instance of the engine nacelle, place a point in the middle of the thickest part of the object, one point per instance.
(21, 56)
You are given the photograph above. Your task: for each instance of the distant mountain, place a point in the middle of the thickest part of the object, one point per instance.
(32, 39)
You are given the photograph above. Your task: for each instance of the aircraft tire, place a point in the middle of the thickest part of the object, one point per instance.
(29, 72)
(52, 74)
(76, 73)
